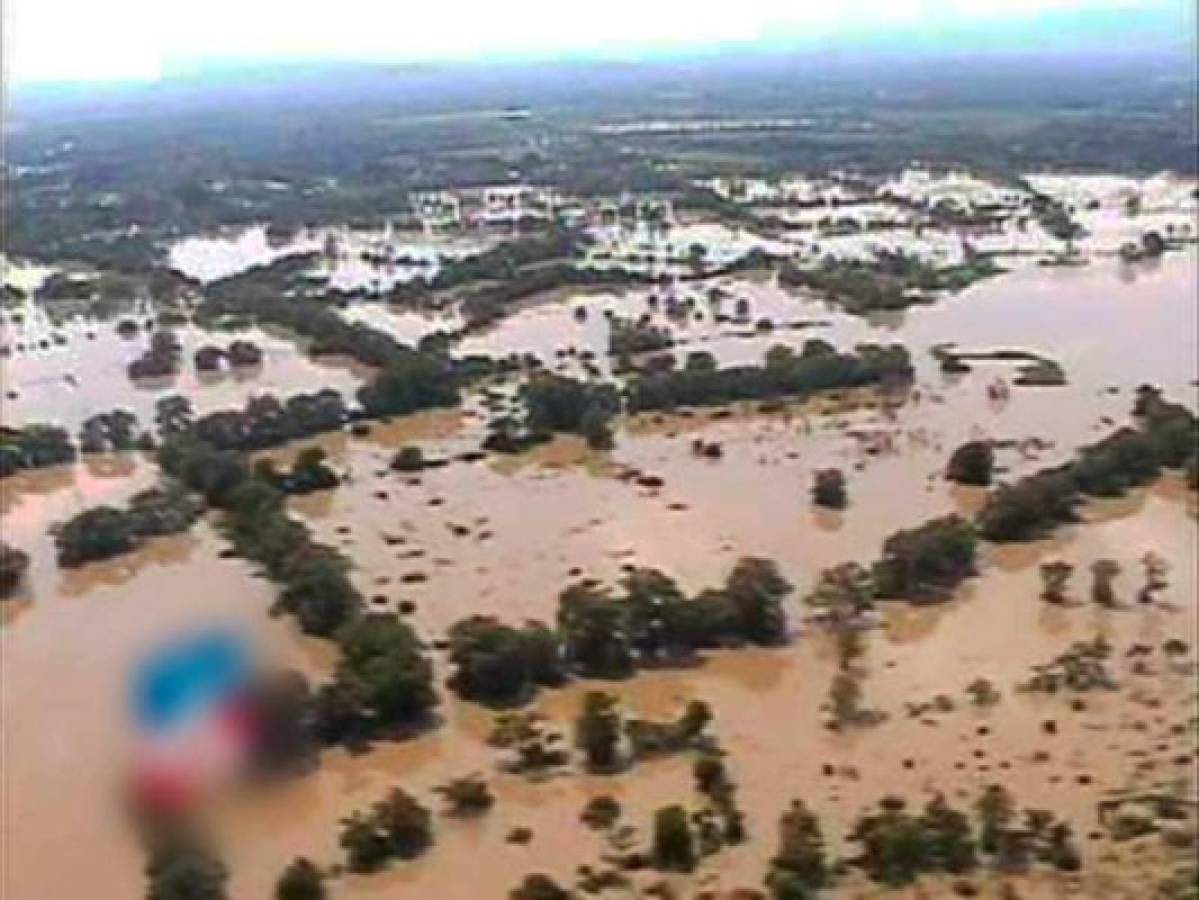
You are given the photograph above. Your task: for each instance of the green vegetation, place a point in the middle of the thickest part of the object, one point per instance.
(309, 472)
(408, 458)
(104, 531)
(597, 731)
(489, 303)
(648, 738)
(383, 682)
(1103, 573)
(785, 374)
(539, 887)
(1081, 668)
(181, 867)
(498, 665)
(972, 463)
(396, 827)
(897, 846)
(601, 812)
(161, 359)
(34, 447)
(555, 403)
(800, 867)
(13, 565)
(828, 489)
(629, 337)
(265, 421)
(1168, 435)
(301, 880)
(926, 562)
(674, 845)
(652, 621)
(110, 432)
(466, 796)
(892, 280)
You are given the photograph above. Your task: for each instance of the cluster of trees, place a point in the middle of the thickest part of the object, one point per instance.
(309, 472)
(265, 421)
(488, 304)
(396, 827)
(34, 447)
(182, 866)
(410, 382)
(892, 280)
(828, 489)
(650, 621)
(315, 587)
(301, 880)
(498, 664)
(239, 354)
(897, 846)
(13, 565)
(972, 463)
(105, 531)
(409, 379)
(818, 367)
(627, 337)
(1167, 436)
(504, 261)
(556, 403)
(161, 358)
(114, 431)
(926, 562)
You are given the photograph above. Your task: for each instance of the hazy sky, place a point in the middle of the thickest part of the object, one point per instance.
(92, 40)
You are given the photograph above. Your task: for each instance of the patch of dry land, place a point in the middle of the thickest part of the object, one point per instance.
(947, 699)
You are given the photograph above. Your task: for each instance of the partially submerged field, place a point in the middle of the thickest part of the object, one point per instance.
(503, 535)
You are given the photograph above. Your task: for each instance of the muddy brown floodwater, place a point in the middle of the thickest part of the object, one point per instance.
(521, 525)
(66, 383)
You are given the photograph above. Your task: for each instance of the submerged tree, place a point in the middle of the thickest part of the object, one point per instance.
(801, 860)
(1155, 568)
(674, 846)
(13, 565)
(182, 867)
(597, 731)
(1054, 577)
(972, 464)
(1103, 574)
(301, 880)
(828, 489)
(756, 589)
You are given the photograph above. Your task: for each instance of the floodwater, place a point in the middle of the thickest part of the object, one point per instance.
(67, 382)
(351, 260)
(503, 536)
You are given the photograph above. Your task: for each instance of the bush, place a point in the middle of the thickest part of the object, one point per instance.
(972, 464)
(182, 868)
(13, 565)
(828, 489)
(801, 861)
(674, 847)
(395, 827)
(383, 667)
(98, 533)
(597, 731)
(498, 664)
(301, 880)
(926, 562)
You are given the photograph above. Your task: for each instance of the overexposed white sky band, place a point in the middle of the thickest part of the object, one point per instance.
(104, 40)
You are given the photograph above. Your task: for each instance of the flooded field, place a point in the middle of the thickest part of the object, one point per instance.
(374, 261)
(66, 374)
(504, 535)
